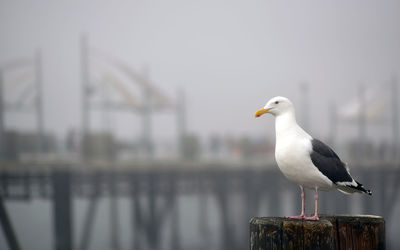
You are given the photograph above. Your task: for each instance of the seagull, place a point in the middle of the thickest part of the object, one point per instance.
(305, 160)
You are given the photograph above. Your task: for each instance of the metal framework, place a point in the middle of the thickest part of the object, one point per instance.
(30, 72)
(152, 98)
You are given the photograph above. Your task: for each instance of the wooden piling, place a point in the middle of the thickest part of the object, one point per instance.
(8, 230)
(62, 210)
(330, 232)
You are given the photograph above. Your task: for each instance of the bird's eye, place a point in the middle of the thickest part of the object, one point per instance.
(276, 102)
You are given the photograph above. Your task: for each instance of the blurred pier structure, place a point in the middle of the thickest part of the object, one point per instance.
(375, 109)
(21, 91)
(110, 85)
(216, 174)
(156, 207)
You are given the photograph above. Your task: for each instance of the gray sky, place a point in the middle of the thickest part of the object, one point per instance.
(230, 56)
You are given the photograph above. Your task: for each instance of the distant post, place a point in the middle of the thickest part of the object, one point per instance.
(362, 130)
(330, 232)
(62, 209)
(146, 116)
(181, 119)
(39, 101)
(395, 119)
(85, 96)
(2, 134)
(305, 104)
(333, 123)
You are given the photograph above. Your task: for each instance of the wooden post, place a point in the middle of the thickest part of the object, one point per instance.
(330, 232)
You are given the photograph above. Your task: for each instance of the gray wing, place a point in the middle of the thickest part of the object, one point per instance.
(327, 161)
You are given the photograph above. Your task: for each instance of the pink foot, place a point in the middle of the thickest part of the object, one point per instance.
(298, 217)
(315, 217)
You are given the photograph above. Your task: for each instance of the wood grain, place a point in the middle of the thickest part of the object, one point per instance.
(330, 232)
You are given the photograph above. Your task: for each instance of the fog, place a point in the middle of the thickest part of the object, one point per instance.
(132, 122)
(230, 57)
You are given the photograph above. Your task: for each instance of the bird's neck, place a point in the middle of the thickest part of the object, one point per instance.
(285, 124)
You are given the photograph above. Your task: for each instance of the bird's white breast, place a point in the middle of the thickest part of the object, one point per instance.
(292, 153)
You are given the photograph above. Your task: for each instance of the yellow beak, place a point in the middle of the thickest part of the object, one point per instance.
(260, 112)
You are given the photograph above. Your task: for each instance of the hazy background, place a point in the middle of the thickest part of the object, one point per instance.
(230, 57)
(227, 59)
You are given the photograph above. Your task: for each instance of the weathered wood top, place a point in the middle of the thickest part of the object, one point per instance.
(330, 232)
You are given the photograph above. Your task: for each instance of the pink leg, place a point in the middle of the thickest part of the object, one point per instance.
(303, 207)
(315, 217)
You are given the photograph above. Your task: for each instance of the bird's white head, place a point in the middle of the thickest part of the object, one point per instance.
(276, 106)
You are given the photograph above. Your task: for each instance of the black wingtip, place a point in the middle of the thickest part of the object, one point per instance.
(361, 188)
